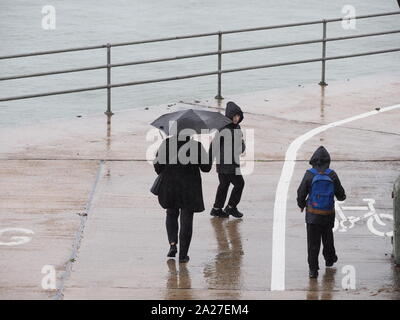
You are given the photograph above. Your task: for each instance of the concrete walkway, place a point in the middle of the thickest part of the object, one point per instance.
(82, 187)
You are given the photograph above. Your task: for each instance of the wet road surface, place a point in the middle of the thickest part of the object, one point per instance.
(83, 166)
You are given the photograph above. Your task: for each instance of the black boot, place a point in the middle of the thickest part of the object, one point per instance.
(234, 212)
(313, 273)
(224, 214)
(329, 263)
(172, 251)
(216, 212)
(184, 259)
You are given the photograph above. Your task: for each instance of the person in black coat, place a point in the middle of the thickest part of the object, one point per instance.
(180, 190)
(226, 147)
(319, 226)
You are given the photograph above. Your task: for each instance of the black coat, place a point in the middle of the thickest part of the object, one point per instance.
(320, 160)
(181, 183)
(235, 146)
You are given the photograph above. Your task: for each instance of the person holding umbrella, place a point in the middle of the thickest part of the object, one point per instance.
(178, 163)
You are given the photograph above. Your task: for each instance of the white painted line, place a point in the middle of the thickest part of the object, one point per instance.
(279, 224)
(355, 208)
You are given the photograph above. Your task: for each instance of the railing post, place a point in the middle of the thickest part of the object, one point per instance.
(323, 83)
(108, 112)
(396, 223)
(219, 96)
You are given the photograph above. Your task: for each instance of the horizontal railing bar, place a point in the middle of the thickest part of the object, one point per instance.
(365, 16)
(271, 46)
(111, 86)
(39, 53)
(271, 65)
(287, 25)
(363, 35)
(195, 75)
(199, 75)
(187, 56)
(307, 23)
(189, 36)
(41, 74)
(197, 35)
(363, 54)
(53, 93)
(309, 60)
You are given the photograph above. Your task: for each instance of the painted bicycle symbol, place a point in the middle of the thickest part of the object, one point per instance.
(345, 223)
(16, 240)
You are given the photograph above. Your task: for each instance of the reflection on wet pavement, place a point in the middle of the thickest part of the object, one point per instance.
(178, 279)
(224, 272)
(322, 289)
(108, 139)
(322, 112)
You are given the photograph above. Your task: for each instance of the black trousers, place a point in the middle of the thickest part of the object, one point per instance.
(186, 229)
(224, 181)
(316, 233)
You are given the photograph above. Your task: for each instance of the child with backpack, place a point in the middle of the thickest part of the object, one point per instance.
(316, 193)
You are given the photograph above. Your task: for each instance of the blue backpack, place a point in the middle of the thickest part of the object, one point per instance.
(322, 191)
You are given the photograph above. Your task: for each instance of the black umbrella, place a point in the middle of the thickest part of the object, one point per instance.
(191, 119)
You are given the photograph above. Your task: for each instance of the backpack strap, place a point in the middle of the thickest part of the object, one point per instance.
(315, 171)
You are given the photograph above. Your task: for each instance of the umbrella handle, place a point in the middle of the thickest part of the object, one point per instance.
(162, 137)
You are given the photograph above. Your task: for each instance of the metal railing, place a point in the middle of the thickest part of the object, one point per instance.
(220, 52)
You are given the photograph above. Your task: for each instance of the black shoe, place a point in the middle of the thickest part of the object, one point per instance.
(224, 214)
(184, 259)
(172, 251)
(234, 212)
(216, 212)
(329, 263)
(313, 273)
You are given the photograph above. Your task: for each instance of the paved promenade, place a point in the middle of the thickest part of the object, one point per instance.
(79, 189)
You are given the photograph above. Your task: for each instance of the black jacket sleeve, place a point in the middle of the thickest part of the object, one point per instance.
(158, 167)
(304, 189)
(339, 191)
(214, 150)
(161, 157)
(243, 143)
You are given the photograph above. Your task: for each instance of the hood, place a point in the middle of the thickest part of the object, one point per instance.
(321, 159)
(232, 109)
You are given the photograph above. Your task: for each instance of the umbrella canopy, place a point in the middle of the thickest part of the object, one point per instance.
(191, 119)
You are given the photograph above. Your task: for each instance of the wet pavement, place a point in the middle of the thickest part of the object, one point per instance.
(54, 174)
